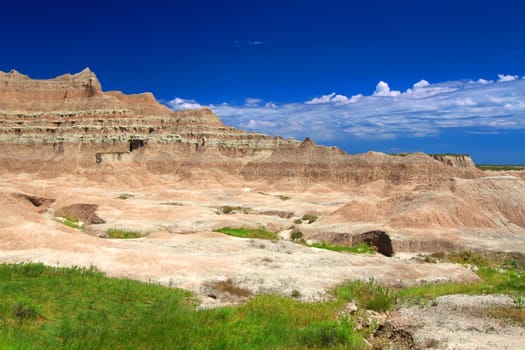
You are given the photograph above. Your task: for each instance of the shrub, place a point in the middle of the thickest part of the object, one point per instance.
(298, 221)
(125, 196)
(297, 236)
(228, 209)
(310, 218)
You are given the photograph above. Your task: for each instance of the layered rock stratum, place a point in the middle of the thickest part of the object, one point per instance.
(68, 123)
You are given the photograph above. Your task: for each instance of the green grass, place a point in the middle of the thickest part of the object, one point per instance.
(368, 295)
(72, 222)
(360, 248)
(259, 233)
(74, 308)
(123, 234)
(499, 274)
(77, 308)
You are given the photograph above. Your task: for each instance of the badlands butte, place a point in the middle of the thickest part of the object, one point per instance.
(70, 149)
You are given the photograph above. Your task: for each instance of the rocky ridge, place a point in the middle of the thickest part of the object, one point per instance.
(69, 123)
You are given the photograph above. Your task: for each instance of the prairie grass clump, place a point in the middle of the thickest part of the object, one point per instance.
(258, 233)
(369, 295)
(72, 222)
(119, 233)
(360, 248)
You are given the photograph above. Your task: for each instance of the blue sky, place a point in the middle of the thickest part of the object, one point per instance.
(392, 76)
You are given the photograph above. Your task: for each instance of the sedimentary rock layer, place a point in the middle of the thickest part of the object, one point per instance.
(68, 122)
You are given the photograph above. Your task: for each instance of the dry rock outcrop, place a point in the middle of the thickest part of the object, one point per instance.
(69, 123)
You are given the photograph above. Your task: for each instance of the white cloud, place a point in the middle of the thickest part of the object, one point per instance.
(502, 78)
(421, 84)
(426, 109)
(180, 103)
(252, 101)
(253, 42)
(335, 99)
(467, 101)
(322, 99)
(382, 89)
(483, 81)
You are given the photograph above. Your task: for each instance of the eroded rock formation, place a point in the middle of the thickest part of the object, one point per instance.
(69, 123)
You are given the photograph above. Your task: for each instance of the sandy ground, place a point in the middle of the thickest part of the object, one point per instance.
(461, 322)
(180, 249)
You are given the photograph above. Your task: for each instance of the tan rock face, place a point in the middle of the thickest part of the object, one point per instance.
(65, 122)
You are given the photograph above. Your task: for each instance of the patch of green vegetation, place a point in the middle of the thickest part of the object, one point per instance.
(81, 308)
(310, 218)
(298, 221)
(283, 197)
(500, 273)
(72, 222)
(369, 295)
(259, 233)
(297, 236)
(500, 167)
(125, 196)
(123, 234)
(360, 248)
(227, 209)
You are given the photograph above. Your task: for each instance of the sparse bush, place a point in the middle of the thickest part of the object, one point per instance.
(123, 234)
(283, 197)
(125, 196)
(298, 221)
(227, 209)
(296, 294)
(297, 236)
(309, 218)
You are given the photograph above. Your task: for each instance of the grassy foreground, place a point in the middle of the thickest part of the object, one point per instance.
(71, 308)
(45, 307)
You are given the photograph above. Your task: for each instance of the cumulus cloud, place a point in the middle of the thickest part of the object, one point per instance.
(483, 81)
(502, 78)
(382, 89)
(334, 98)
(181, 103)
(425, 109)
